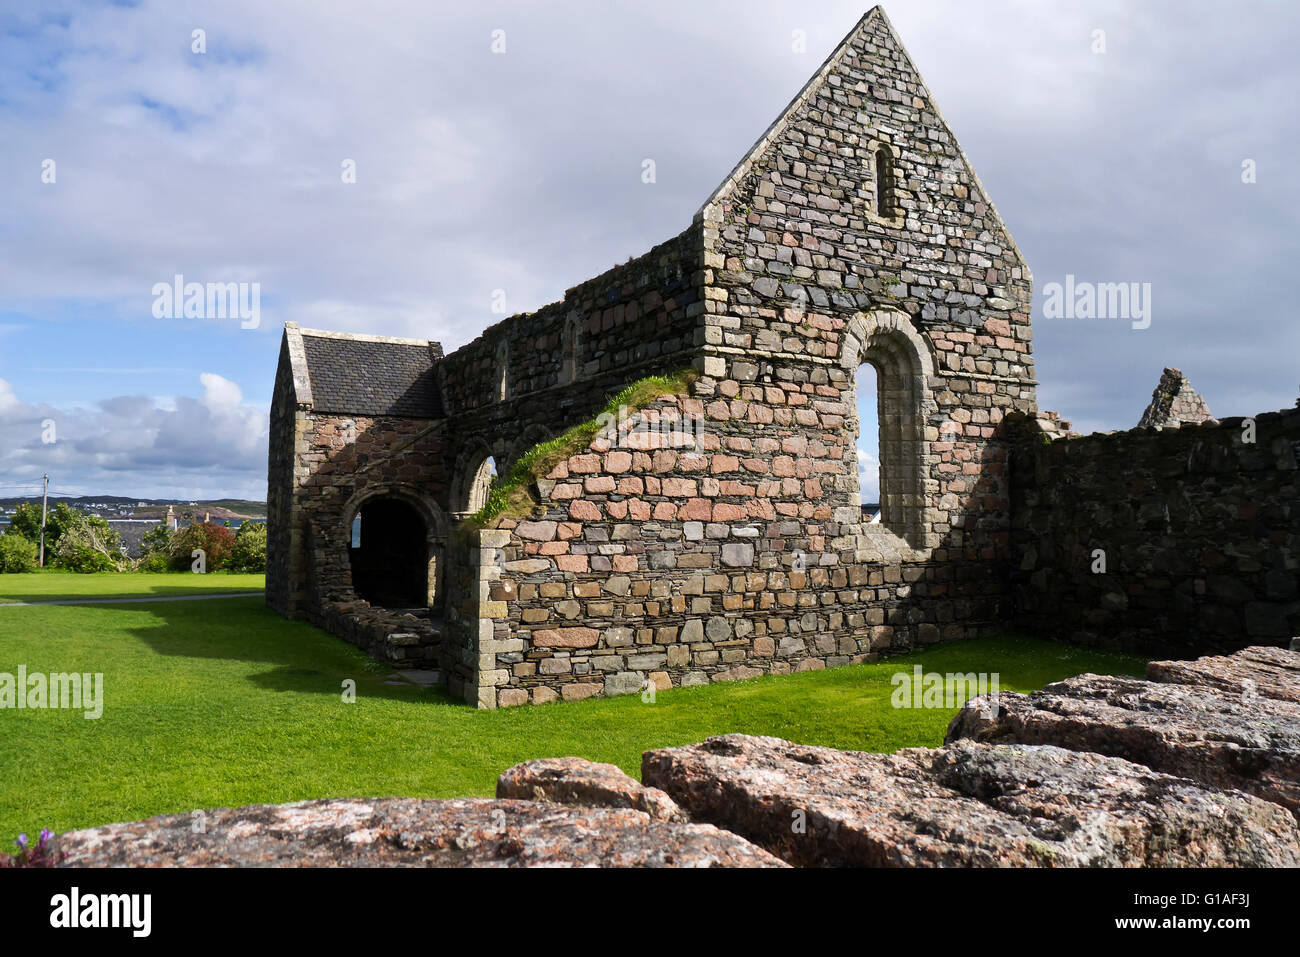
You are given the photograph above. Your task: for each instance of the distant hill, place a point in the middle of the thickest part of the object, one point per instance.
(153, 508)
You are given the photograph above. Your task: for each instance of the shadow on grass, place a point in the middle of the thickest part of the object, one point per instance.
(303, 659)
(307, 660)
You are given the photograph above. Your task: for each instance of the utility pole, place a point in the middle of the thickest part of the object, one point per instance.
(45, 498)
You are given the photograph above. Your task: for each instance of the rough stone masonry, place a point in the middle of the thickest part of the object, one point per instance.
(855, 231)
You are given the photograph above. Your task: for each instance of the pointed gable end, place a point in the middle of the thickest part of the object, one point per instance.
(864, 144)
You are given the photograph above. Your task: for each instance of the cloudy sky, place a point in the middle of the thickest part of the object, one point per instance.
(520, 171)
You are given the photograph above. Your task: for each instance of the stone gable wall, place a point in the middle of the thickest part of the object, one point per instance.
(793, 250)
(1201, 534)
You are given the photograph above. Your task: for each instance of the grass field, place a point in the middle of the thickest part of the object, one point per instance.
(51, 585)
(222, 703)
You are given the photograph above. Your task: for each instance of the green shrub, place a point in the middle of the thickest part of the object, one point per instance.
(157, 539)
(75, 557)
(215, 540)
(87, 544)
(248, 554)
(17, 554)
(157, 561)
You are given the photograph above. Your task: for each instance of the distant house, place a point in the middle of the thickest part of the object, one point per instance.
(132, 531)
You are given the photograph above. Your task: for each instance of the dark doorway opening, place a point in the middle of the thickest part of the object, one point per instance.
(390, 554)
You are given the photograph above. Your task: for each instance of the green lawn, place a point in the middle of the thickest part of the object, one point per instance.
(223, 703)
(52, 585)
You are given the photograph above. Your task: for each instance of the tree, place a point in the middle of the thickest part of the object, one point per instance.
(26, 521)
(248, 554)
(157, 539)
(87, 544)
(214, 540)
(17, 554)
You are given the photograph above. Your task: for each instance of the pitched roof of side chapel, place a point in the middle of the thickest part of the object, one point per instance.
(365, 375)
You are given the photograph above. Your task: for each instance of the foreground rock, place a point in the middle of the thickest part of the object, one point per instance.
(1251, 672)
(1216, 740)
(397, 832)
(582, 783)
(967, 805)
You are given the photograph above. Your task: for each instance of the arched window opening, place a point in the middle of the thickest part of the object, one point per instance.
(868, 444)
(390, 555)
(485, 479)
(887, 361)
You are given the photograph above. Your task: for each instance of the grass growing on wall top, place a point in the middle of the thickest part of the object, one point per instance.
(512, 496)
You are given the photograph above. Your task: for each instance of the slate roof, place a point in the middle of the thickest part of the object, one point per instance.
(360, 376)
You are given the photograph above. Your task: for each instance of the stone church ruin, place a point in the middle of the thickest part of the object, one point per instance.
(854, 231)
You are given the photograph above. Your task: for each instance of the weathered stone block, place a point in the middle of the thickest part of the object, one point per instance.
(966, 805)
(625, 682)
(577, 637)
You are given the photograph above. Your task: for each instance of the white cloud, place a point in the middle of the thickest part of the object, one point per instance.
(214, 445)
(8, 401)
(868, 476)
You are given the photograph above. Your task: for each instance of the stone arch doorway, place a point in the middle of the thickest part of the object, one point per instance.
(395, 548)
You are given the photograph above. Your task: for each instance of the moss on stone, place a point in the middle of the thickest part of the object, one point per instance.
(512, 497)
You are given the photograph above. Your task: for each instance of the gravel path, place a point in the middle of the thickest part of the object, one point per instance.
(126, 601)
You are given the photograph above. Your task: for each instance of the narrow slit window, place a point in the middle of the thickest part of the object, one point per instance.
(503, 371)
(570, 350)
(884, 183)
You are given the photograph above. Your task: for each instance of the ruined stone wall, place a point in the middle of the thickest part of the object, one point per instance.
(626, 321)
(285, 572)
(1200, 532)
(559, 365)
(680, 564)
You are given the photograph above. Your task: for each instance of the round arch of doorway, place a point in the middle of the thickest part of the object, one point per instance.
(471, 475)
(435, 521)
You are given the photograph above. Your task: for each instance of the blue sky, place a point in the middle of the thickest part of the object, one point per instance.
(522, 172)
